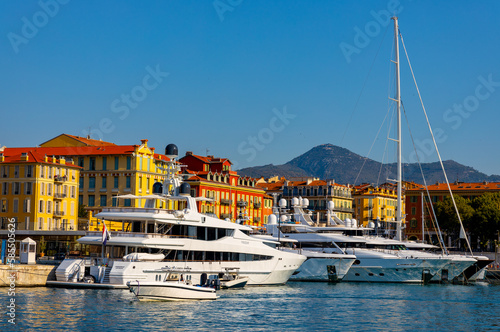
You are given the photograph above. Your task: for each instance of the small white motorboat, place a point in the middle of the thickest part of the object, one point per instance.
(232, 279)
(173, 285)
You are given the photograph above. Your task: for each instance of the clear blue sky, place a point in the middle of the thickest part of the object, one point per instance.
(258, 82)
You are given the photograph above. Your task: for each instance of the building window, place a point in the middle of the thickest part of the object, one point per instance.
(29, 171)
(140, 184)
(92, 182)
(127, 182)
(80, 199)
(49, 189)
(80, 162)
(5, 171)
(128, 202)
(73, 192)
(5, 188)
(16, 171)
(413, 223)
(27, 187)
(129, 162)
(91, 200)
(115, 182)
(15, 206)
(103, 183)
(117, 163)
(40, 206)
(104, 163)
(49, 206)
(92, 164)
(413, 211)
(80, 185)
(27, 205)
(114, 201)
(104, 200)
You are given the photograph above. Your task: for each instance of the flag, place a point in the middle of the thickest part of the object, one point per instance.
(105, 234)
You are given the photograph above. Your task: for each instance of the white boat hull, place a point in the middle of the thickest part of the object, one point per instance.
(316, 269)
(170, 291)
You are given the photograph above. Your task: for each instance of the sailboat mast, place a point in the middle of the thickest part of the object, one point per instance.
(399, 205)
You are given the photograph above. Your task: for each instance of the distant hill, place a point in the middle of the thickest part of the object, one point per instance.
(329, 161)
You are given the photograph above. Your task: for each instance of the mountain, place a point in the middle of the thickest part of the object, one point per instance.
(329, 161)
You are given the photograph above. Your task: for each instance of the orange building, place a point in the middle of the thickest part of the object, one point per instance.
(416, 209)
(234, 197)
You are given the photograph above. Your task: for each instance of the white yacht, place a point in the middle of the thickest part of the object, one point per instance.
(371, 264)
(319, 266)
(178, 237)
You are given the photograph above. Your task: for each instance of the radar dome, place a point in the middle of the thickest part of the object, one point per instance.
(295, 201)
(157, 188)
(273, 220)
(185, 189)
(331, 205)
(171, 151)
(305, 202)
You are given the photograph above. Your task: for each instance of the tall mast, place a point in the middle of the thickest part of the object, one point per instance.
(399, 211)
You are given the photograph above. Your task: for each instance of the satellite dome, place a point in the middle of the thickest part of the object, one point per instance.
(331, 205)
(171, 151)
(185, 189)
(305, 202)
(157, 188)
(295, 201)
(273, 220)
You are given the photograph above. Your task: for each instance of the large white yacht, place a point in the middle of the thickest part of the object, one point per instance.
(372, 264)
(176, 237)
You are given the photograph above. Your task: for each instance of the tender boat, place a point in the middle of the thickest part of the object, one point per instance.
(232, 279)
(172, 285)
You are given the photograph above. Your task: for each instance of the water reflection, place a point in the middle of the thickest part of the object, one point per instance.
(295, 306)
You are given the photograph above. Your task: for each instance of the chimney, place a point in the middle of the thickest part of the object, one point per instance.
(189, 153)
(24, 156)
(2, 157)
(144, 142)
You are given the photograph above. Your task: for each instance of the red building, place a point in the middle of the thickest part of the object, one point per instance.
(234, 197)
(438, 191)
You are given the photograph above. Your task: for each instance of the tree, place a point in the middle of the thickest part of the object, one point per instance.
(485, 223)
(447, 216)
(82, 213)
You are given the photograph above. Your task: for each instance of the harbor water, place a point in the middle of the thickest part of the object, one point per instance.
(297, 306)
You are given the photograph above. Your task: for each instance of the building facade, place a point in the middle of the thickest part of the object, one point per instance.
(319, 193)
(375, 204)
(38, 191)
(107, 171)
(235, 198)
(420, 224)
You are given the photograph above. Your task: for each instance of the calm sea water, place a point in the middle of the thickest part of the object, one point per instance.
(297, 306)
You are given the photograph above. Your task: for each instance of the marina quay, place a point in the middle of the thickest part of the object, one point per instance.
(231, 165)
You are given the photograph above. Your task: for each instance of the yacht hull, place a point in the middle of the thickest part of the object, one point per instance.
(170, 291)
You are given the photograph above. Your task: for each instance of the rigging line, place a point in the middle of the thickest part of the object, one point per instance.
(385, 149)
(366, 158)
(362, 88)
(437, 150)
(425, 182)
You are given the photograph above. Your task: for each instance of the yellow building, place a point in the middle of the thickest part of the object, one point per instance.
(109, 170)
(319, 193)
(38, 191)
(373, 203)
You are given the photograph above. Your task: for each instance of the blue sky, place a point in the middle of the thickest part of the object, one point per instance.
(258, 82)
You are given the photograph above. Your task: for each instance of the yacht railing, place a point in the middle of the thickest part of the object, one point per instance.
(137, 209)
(137, 234)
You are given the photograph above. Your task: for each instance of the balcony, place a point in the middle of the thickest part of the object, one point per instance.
(59, 196)
(58, 178)
(226, 215)
(242, 203)
(226, 201)
(58, 213)
(257, 205)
